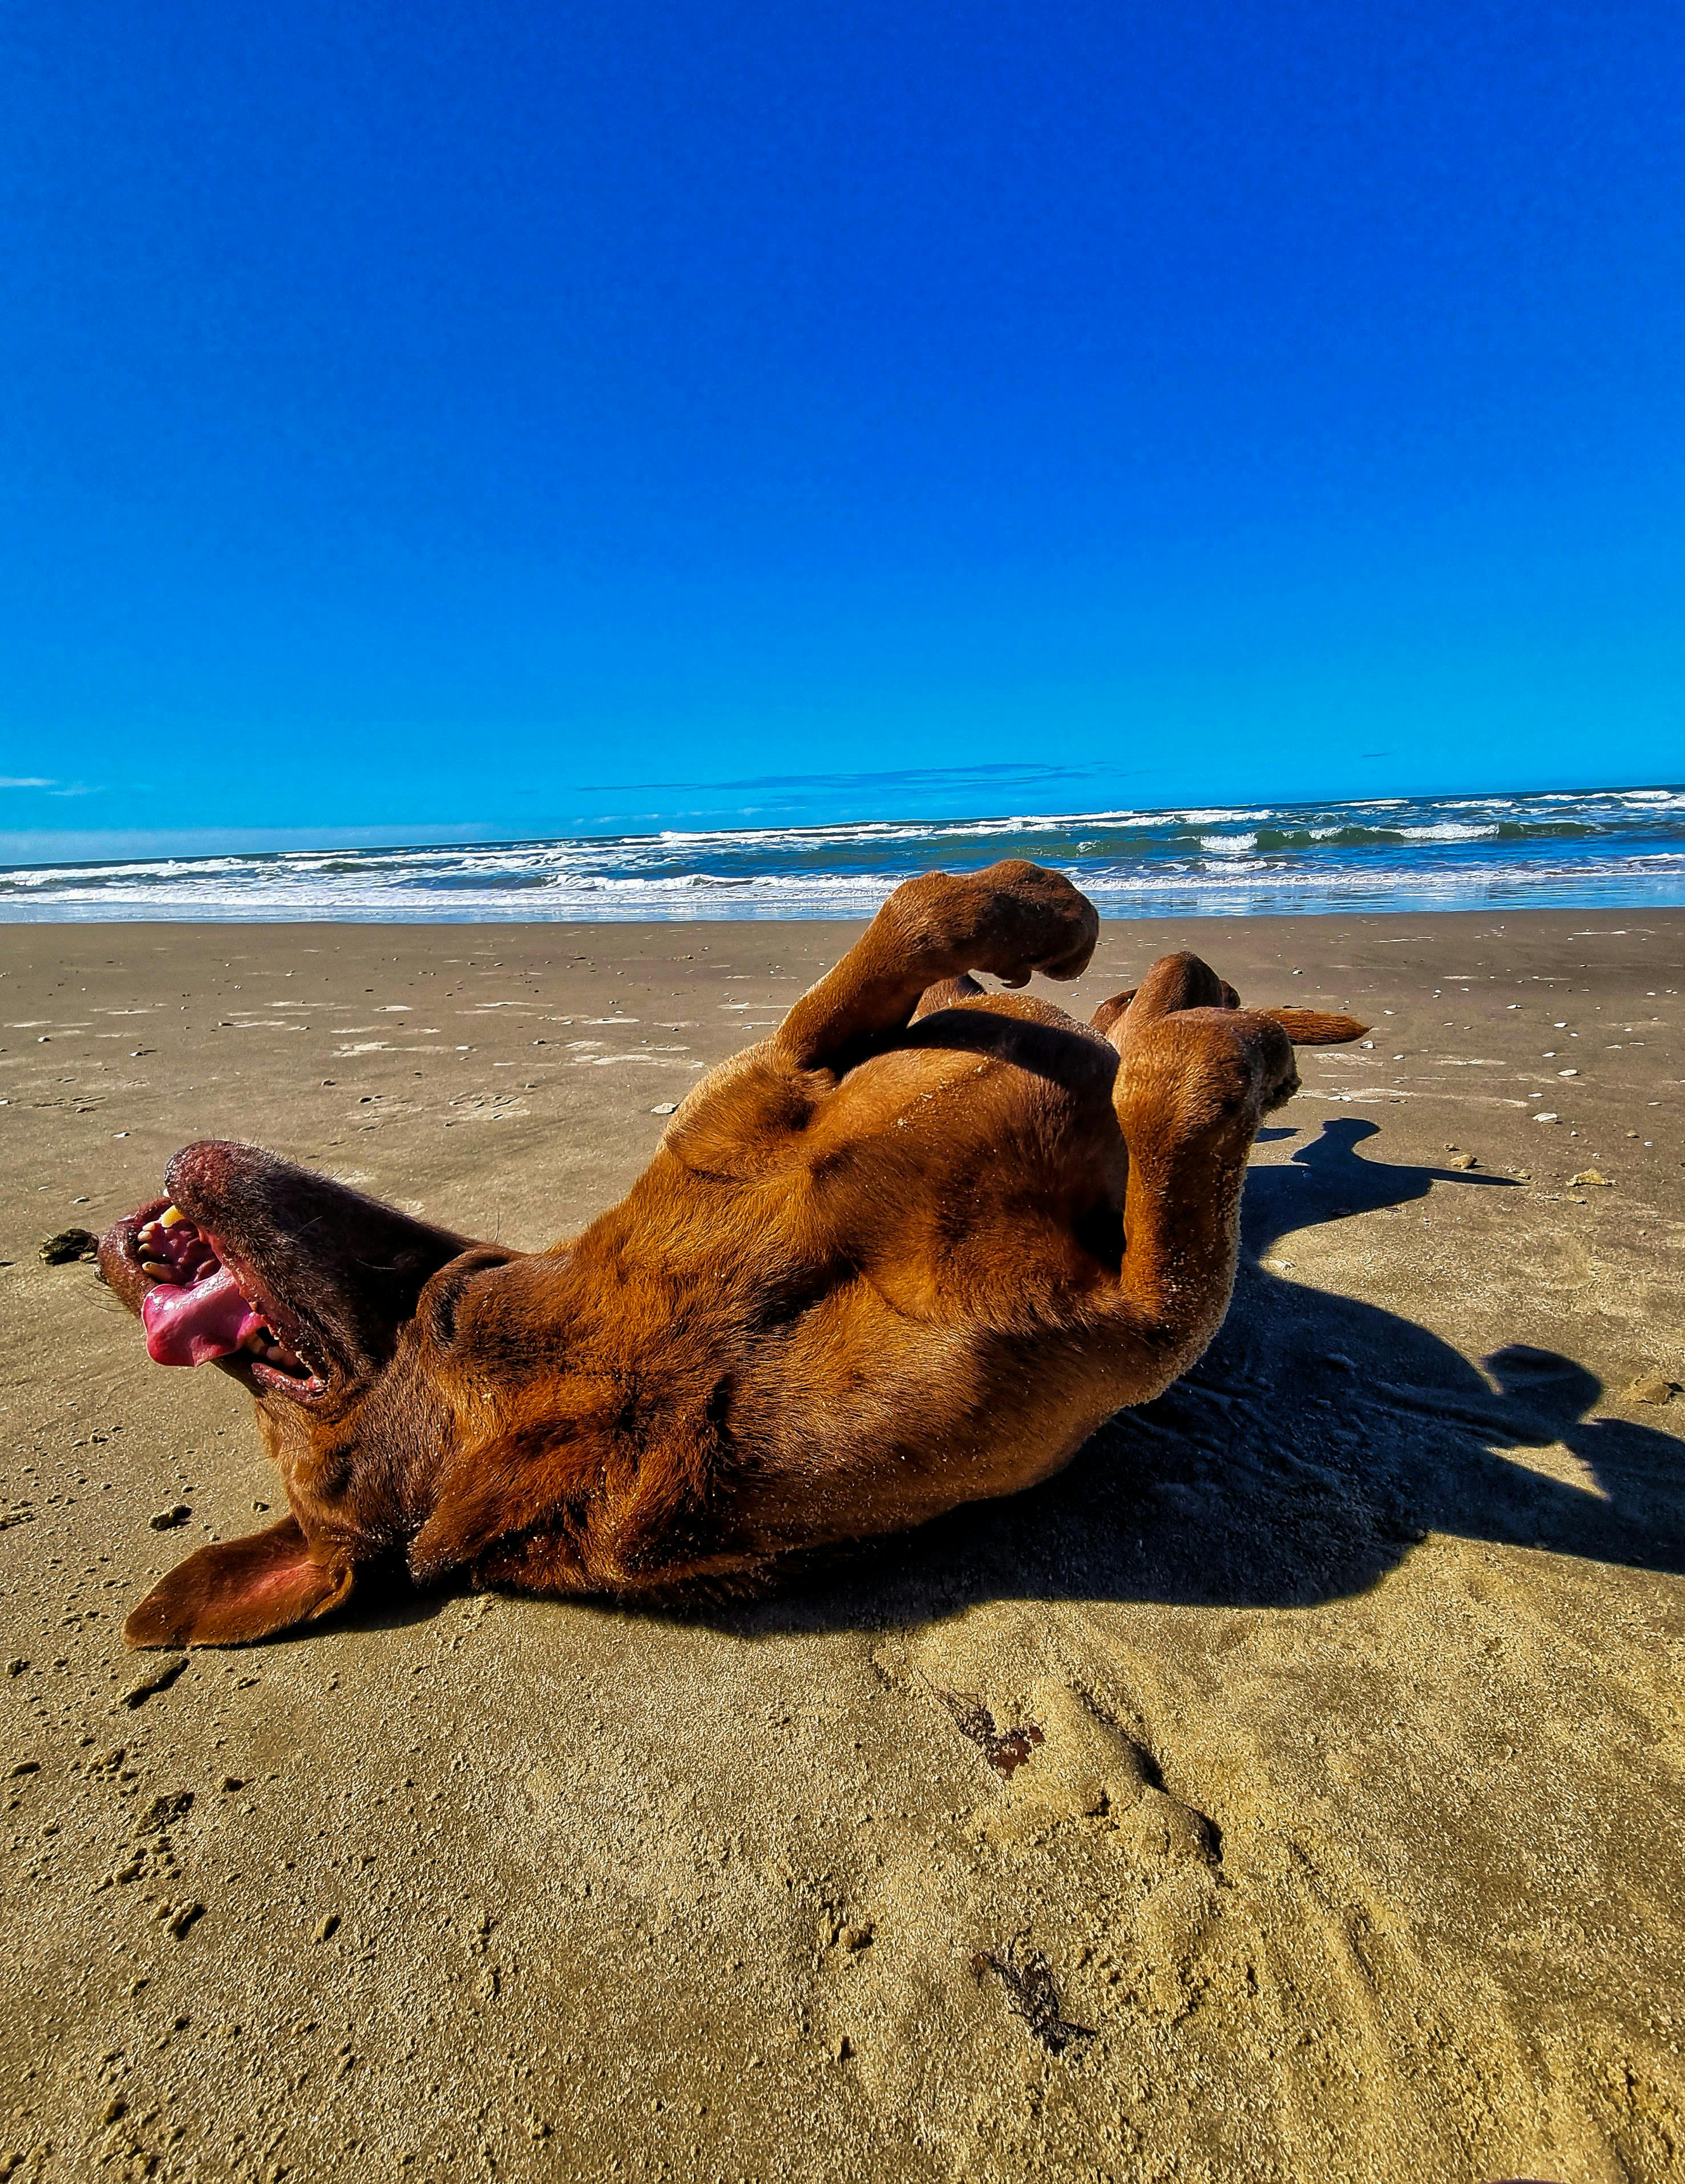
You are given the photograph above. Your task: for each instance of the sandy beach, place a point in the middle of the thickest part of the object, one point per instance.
(1346, 1844)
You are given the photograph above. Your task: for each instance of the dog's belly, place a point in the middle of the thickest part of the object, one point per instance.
(968, 1190)
(859, 1420)
(865, 1318)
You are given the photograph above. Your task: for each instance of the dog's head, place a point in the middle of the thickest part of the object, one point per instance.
(341, 1315)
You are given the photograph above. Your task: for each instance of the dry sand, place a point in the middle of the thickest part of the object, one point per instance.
(1345, 1839)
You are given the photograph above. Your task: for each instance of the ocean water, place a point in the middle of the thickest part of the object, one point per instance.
(1610, 849)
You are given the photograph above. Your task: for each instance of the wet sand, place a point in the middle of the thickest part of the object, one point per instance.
(1290, 1789)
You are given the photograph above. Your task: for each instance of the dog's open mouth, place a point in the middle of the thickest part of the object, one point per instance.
(197, 1308)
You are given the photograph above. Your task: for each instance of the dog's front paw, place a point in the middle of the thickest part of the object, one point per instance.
(1010, 919)
(1047, 924)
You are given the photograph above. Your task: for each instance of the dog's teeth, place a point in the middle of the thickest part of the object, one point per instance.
(170, 1216)
(157, 1271)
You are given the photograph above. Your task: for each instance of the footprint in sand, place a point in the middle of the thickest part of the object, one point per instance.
(1058, 1756)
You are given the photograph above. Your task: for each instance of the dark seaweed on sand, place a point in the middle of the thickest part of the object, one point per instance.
(1031, 1995)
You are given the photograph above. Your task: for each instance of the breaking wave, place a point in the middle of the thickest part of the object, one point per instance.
(1613, 847)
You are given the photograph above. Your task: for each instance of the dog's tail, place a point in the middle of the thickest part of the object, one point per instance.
(1303, 1027)
(1315, 1027)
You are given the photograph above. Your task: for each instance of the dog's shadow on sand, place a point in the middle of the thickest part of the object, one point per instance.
(1317, 1440)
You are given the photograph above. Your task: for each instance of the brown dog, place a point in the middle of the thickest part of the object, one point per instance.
(907, 1252)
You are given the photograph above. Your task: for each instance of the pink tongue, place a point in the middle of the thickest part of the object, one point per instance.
(189, 1324)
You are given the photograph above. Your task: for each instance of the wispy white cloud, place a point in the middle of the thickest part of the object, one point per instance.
(51, 783)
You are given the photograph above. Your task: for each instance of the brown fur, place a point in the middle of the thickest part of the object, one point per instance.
(907, 1252)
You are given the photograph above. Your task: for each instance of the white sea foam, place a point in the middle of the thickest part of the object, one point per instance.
(1446, 831)
(1628, 847)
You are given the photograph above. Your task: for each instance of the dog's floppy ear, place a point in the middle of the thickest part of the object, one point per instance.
(238, 1590)
(1312, 1027)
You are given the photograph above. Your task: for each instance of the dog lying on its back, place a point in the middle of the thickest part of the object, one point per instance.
(907, 1252)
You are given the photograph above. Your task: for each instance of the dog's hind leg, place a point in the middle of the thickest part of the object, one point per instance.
(1010, 920)
(1196, 1076)
(1212, 992)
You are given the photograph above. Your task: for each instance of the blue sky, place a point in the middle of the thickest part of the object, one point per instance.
(423, 419)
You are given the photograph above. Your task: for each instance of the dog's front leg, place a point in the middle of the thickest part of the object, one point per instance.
(1010, 920)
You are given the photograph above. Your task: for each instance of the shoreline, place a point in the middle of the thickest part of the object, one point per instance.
(1369, 1627)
